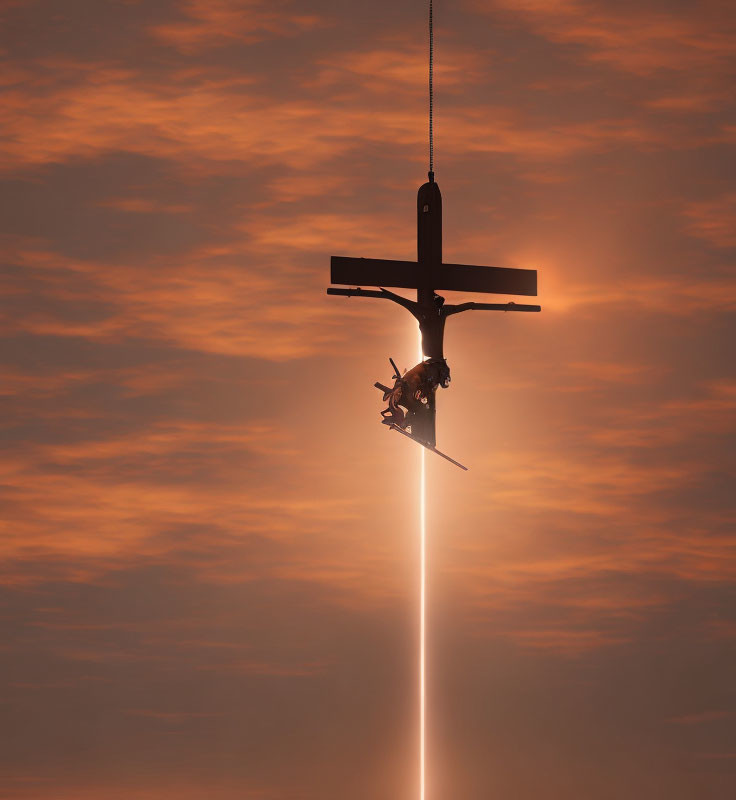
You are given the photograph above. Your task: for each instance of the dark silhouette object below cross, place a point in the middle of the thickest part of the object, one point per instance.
(415, 390)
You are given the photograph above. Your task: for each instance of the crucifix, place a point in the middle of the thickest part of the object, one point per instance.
(416, 389)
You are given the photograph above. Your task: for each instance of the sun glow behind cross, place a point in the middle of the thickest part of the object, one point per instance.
(422, 612)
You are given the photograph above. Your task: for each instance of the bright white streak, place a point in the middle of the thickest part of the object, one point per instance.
(422, 613)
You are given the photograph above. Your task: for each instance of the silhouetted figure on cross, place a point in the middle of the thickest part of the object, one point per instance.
(415, 390)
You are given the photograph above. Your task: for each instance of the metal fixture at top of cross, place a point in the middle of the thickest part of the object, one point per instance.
(415, 390)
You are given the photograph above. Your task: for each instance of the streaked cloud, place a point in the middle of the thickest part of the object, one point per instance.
(638, 38)
(713, 221)
(217, 22)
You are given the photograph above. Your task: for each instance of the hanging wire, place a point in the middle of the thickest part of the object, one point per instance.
(431, 92)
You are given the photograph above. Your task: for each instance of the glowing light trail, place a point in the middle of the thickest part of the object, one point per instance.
(423, 491)
(422, 614)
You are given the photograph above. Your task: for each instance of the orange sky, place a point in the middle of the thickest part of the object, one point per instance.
(208, 543)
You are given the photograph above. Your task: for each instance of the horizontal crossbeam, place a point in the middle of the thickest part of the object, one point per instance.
(449, 309)
(358, 293)
(452, 277)
(493, 280)
(374, 272)
(492, 307)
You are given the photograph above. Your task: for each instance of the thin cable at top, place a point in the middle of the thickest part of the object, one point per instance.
(431, 93)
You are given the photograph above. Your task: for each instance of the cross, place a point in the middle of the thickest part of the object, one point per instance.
(427, 274)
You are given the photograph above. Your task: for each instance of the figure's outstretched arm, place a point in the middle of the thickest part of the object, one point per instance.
(383, 293)
(447, 310)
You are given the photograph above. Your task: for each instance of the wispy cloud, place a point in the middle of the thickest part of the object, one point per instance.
(213, 23)
(713, 221)
(639, 39)
(701, 717)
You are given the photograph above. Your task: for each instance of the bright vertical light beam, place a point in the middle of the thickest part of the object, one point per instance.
(422, 487)
(422, 628)
(422, 614)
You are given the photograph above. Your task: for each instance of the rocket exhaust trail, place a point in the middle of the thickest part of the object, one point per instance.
(422, 612)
